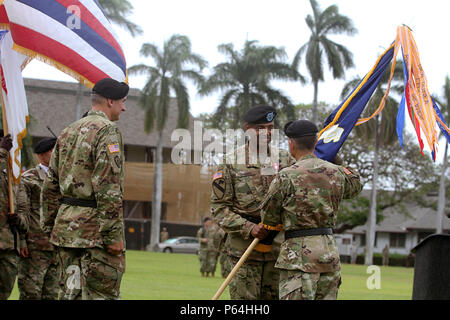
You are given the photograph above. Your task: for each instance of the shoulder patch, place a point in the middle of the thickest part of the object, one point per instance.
(347, 172)
(113, 148)
(219, 188)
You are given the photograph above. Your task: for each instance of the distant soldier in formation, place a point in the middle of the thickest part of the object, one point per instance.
(38, 277)
(164, 235)
(82, 209)
(202, 236)
(239, 188)
(9, 245)
(304, 200)
(385, 255)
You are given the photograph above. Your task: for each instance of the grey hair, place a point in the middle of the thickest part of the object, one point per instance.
(97, 99)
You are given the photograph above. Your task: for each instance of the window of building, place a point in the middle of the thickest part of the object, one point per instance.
(363, 239)
(397, 240)
(423, 235)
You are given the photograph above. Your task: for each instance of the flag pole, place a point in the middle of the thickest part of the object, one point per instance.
(236, 268)
(8, 166)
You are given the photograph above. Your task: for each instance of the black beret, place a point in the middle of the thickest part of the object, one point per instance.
(260, 115)
(300, 128)
(111, 89)
(44, 145)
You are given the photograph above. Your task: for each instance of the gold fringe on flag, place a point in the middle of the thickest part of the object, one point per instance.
(32, 54)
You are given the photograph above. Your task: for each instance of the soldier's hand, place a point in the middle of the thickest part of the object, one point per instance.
(6, 142)
(115, 249)
(24, 252)
(259, 232)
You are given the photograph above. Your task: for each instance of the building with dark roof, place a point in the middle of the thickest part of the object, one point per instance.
(400, 231)
(186, 188)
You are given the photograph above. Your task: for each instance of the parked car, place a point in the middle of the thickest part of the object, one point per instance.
(180, 245)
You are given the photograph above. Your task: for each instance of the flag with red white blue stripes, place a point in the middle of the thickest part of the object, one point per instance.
(73, 35)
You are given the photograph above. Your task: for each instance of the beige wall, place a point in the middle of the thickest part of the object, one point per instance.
(186, 189)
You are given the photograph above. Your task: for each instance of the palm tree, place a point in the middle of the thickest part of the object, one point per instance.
(323, 24)
(445, 105)
(245, 81)
(174, 64)
(117, 11)
(382, 131)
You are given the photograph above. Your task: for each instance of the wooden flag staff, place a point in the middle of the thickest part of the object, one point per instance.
(236, 268)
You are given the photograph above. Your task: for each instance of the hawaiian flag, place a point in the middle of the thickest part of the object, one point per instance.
(75, 36)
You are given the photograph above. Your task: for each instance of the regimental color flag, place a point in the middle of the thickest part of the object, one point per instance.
(423, 111)
(13, 98)
(73, 35)
(341, 121)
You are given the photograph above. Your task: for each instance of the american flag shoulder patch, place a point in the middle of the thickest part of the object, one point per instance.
(218, 175)
(113, 148)
(348, 172)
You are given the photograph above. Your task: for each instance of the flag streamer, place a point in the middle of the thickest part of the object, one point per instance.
(423, 111)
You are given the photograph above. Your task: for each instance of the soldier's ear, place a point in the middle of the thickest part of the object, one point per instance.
(110, 102)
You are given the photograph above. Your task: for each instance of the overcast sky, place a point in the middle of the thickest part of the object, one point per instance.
(281, 23)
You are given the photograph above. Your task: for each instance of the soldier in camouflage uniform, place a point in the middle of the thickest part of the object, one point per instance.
(9, 257)
(38, 273)
(304, 200)
(82, 208)
(239, 188)
(202, 236)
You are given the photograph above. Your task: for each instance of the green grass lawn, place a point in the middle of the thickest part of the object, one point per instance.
(161, 276)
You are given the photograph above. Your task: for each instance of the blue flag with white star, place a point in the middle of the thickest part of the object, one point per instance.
(342, 120)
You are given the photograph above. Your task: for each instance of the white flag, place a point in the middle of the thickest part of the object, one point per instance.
(14, 98)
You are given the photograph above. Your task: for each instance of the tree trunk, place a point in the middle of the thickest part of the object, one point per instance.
(157, 196)
(372, 219)
(315, 104)
(441, 203)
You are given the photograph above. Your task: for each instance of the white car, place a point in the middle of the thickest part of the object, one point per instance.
(180, 245)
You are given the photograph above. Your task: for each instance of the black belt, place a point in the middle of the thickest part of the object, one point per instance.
(307, 233)
(79, 202)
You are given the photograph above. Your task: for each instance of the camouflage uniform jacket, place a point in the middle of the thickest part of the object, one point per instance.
(6, 236)
(237, 190)
(87, 164)
(201, 234)
(307, 196)
(29, 198)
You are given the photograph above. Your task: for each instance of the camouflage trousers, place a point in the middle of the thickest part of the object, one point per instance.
(299, 285)
(38, 276)
(9, 261)
(90, 274)
(255, 280)
(225, 265)
(208, 261)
